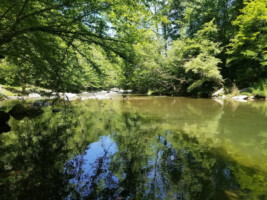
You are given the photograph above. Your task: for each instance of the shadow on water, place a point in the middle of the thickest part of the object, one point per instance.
(188, 149)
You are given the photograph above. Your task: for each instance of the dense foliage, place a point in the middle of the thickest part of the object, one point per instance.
(170, 47)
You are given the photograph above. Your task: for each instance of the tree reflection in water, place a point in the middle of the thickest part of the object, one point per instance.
(120, 153)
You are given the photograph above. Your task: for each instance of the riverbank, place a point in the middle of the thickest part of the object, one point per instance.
(33, 92)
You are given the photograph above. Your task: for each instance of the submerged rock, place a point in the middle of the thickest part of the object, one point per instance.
(19, 112)
(4, 117)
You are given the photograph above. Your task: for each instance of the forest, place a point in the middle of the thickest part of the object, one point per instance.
(161, 47)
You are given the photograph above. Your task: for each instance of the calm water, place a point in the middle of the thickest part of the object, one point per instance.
(140, 148)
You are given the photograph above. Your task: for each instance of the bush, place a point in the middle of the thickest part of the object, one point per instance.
(260, 89)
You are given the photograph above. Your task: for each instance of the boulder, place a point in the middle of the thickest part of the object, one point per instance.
(114, 89)
(85, 93)
(218, 93)
(4, 117)
(35, 95)
(70, 96)
(241, 98)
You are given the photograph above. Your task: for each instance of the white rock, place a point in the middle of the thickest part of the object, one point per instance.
(103, 92)
(121, 91)
(35, 95)
(217, 93)
(241, 98)
(85, 93)
(70, 95)
(115, 89)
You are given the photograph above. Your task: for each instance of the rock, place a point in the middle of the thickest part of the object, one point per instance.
(56, 110)
(85, 93)
(111, 92)
(35, 95)
(121, 91)
(241, 98)
(218, 93)
(19, 112)
(70, 96)
(114, 89)
(4, 117)
(13, 97)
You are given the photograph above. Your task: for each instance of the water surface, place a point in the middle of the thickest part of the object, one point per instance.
(139, 148)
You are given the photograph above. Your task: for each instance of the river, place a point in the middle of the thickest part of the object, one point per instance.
(138, 148)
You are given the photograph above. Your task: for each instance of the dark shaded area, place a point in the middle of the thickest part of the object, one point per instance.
(4, 118)
(19, 112)
(4, 128)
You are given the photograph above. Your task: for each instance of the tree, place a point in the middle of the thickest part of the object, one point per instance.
(194, 61)
(45, 35)
(248, 52)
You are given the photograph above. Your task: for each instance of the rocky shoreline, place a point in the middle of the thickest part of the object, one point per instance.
(242, 96)
(74, 96)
